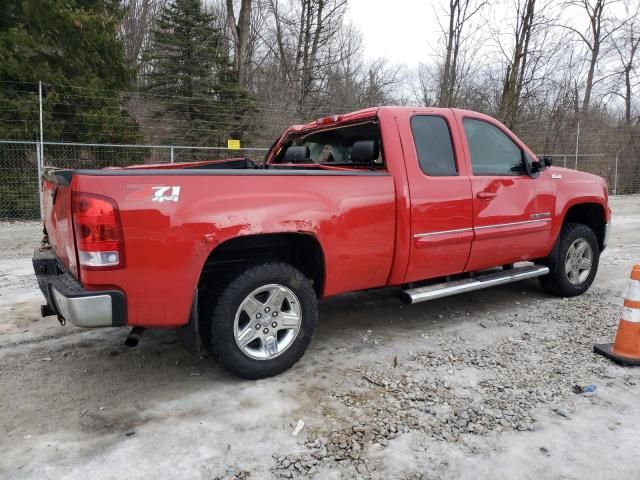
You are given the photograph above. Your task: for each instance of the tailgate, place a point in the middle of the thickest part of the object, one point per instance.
(56, 199)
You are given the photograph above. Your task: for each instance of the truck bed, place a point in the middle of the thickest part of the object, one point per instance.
(168, 238)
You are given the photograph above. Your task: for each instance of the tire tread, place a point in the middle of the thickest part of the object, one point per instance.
(222, 309)
(556, 282)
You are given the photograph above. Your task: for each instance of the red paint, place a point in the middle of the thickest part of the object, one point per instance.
(57, 219)
(370, 227)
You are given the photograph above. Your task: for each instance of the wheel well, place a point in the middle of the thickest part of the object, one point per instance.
(300, 250)
(590, 214)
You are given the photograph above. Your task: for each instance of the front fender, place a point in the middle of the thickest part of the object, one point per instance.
(573, 188)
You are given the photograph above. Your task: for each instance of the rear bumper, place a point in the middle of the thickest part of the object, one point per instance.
(70, 301)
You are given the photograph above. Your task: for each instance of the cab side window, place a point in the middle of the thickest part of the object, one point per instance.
(433, 145)
(492, 151)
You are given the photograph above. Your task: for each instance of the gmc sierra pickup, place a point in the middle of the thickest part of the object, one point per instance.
(234, 255)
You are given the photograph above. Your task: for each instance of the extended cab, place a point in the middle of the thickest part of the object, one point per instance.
(234, 254)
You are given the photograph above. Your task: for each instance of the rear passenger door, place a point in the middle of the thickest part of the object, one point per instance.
(511, 209)
(441, 204)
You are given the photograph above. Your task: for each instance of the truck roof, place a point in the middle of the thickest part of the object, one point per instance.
(370, 112)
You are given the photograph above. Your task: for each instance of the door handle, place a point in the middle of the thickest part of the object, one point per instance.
(486, 195)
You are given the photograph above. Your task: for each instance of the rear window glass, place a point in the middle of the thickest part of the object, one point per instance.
(354, 146)
(433, 145)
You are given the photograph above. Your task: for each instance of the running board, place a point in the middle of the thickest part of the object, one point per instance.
(431, 292)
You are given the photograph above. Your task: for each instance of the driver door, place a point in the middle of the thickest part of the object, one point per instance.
(512, 208)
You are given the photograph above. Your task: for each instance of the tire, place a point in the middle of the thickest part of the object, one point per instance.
(256, 290)
(562, 280)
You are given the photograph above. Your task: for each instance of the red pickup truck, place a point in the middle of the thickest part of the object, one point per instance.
(234, 254)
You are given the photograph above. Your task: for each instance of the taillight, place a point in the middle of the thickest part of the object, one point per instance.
(98, 231)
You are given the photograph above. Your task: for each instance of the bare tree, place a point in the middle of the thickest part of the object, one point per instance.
(517, 66)
(459, 14)
(304, 42)
(381, 83)
(470, 89)
(424, 85)
(240, 29)
(593, 39)
(627, 45)
(138, 19)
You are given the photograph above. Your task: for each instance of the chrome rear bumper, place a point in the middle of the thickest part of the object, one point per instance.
(71, 302)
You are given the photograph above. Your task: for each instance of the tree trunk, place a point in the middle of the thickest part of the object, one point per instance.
(627, 97)
(595, 21)
(589, 83)
(444, 100)
(240, 30)
(514, 78)
(635, 43)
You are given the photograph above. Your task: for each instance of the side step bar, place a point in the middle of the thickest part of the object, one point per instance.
(431, 292)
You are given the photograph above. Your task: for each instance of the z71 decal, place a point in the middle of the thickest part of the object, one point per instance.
(166, 194)
(155, 193)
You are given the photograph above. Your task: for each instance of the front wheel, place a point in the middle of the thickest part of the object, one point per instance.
(574, 268)
(263, 321)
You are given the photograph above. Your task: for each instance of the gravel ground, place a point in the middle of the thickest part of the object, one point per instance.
(474, 386)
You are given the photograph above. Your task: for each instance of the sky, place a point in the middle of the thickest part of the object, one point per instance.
(403, 31)
(407, 31)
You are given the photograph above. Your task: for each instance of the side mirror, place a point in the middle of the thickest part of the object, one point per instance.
(537, 165)
(541, 163)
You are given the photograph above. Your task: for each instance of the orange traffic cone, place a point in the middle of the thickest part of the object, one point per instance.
(626, 349)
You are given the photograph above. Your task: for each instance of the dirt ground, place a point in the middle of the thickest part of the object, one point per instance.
(474, 386)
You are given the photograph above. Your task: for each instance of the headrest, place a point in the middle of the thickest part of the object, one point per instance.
(365, 151)
(297, 155)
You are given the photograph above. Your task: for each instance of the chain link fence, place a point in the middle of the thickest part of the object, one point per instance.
(19, 172)
(602, 165)
(19, 197)
(19, 165)
(87, 155)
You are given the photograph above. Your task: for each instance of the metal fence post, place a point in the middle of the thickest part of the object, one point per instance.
(40, 155)
(564, 161)
(39, 173)
(577, 145)
(615, 171)
(171, 153)
(615, 176)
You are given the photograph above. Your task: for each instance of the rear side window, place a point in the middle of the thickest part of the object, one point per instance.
(433, 145)
(492, 151)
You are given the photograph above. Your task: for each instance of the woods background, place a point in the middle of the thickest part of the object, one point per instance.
(187, 72)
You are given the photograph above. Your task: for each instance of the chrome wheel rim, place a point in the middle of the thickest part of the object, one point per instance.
(267, 322)
(578, 261)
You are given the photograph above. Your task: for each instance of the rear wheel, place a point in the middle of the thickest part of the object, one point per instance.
(575, 265)
(263, 321)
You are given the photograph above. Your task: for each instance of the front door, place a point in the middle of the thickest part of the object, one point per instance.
(511, 209)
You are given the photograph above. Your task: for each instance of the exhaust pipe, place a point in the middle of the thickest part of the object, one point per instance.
(46, 311)
(133, 338)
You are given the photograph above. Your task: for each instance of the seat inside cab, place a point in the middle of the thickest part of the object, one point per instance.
(350, 146)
